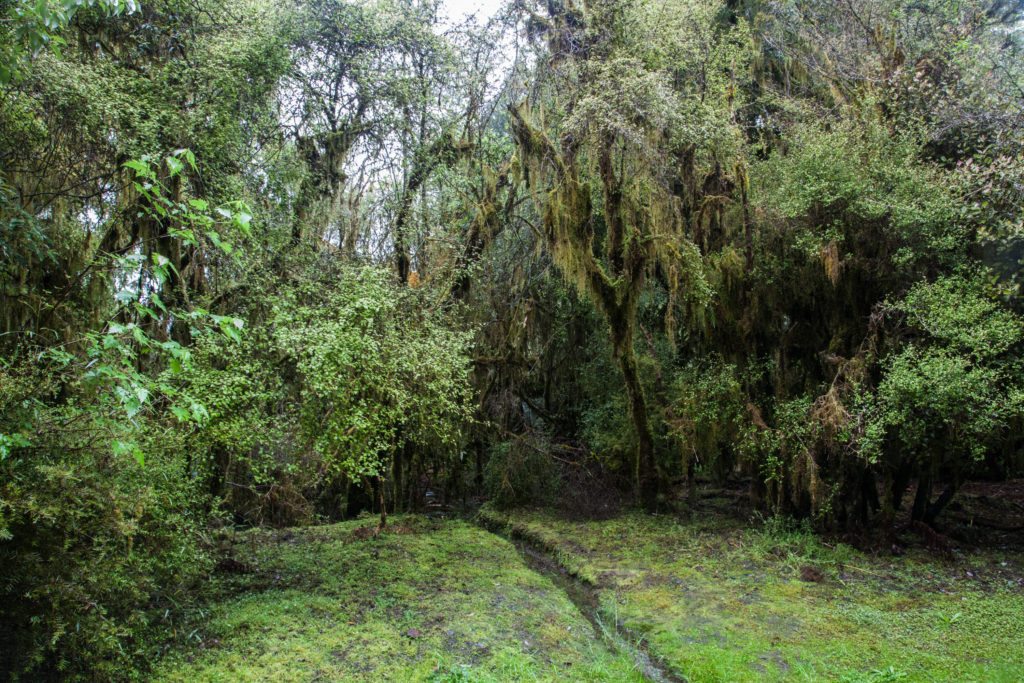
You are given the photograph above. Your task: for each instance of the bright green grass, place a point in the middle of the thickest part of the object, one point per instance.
(720, 602)
(444, 601)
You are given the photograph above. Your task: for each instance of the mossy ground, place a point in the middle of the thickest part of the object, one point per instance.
(429, 601)
(718, 600)
(712, 597)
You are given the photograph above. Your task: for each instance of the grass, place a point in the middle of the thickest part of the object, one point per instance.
(712, 598)
(432, 601)
(718, 600)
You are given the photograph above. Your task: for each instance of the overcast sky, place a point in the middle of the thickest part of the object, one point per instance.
(457, 9)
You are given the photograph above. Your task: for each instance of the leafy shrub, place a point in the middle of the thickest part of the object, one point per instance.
(521, 472)
(706, 415)
(348, 371)
(948, 396)
(98, 543)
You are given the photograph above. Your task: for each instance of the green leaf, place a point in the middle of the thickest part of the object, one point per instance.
(242, 221)
(175, 166)
(140, 337)
(122, 448)
(199, 412)
(140, 167)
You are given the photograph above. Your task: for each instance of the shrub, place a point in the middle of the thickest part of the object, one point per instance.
(521, 472)
(97, 543)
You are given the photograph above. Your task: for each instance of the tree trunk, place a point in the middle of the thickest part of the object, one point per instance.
(923, 495)
(383, 508)
(442, 151)
(397, 478)
(646, 474)
(944, 499)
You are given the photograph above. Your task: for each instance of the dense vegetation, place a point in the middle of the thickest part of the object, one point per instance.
(276, 263)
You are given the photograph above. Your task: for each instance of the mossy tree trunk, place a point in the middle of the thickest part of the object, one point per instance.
(646, 474)
(613, 282)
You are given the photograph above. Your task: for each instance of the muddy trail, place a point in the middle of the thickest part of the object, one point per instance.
(584, 596)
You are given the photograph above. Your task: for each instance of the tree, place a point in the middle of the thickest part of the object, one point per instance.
(626, 113)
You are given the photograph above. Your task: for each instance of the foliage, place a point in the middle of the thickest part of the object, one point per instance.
(371, 370)
(30, 27)
(101, 533)
(855, 175)
(706, 415)
(379, 371)
(950, 396)
(520, 473)
(291, 262)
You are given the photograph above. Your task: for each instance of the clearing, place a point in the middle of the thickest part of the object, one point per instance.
(718, 600)
(425, 601)
(706, 599)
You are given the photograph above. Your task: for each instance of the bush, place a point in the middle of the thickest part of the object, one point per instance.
(521, 472)
(349, 373)
(97, 543)
(706, 416)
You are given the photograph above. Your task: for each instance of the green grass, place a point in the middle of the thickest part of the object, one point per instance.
(442, 601)
(717, 600)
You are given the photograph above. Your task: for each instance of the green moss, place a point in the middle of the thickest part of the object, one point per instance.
(719, 602)
(432, 601)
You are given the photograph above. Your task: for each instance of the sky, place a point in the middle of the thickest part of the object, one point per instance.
(456, 9)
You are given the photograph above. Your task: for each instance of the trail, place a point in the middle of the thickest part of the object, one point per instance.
(585, 597)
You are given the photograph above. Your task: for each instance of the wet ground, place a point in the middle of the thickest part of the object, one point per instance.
(532, 595)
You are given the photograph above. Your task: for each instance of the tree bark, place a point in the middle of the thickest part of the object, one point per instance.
(923, 496)
(646, 474)
(442, 151)
(383, 507)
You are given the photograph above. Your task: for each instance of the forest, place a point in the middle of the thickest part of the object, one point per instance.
(518, 340)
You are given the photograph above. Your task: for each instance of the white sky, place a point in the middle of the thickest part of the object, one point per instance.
(484, 9)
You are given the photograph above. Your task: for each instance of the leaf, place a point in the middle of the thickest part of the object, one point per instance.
(122, 448)
(242, 221)
(199, 412)
(140, 167)
(219, 243)
(231, 333)
(186, 236)
(125, 296)
(140, 337)
(8, 442)
(175, 166)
